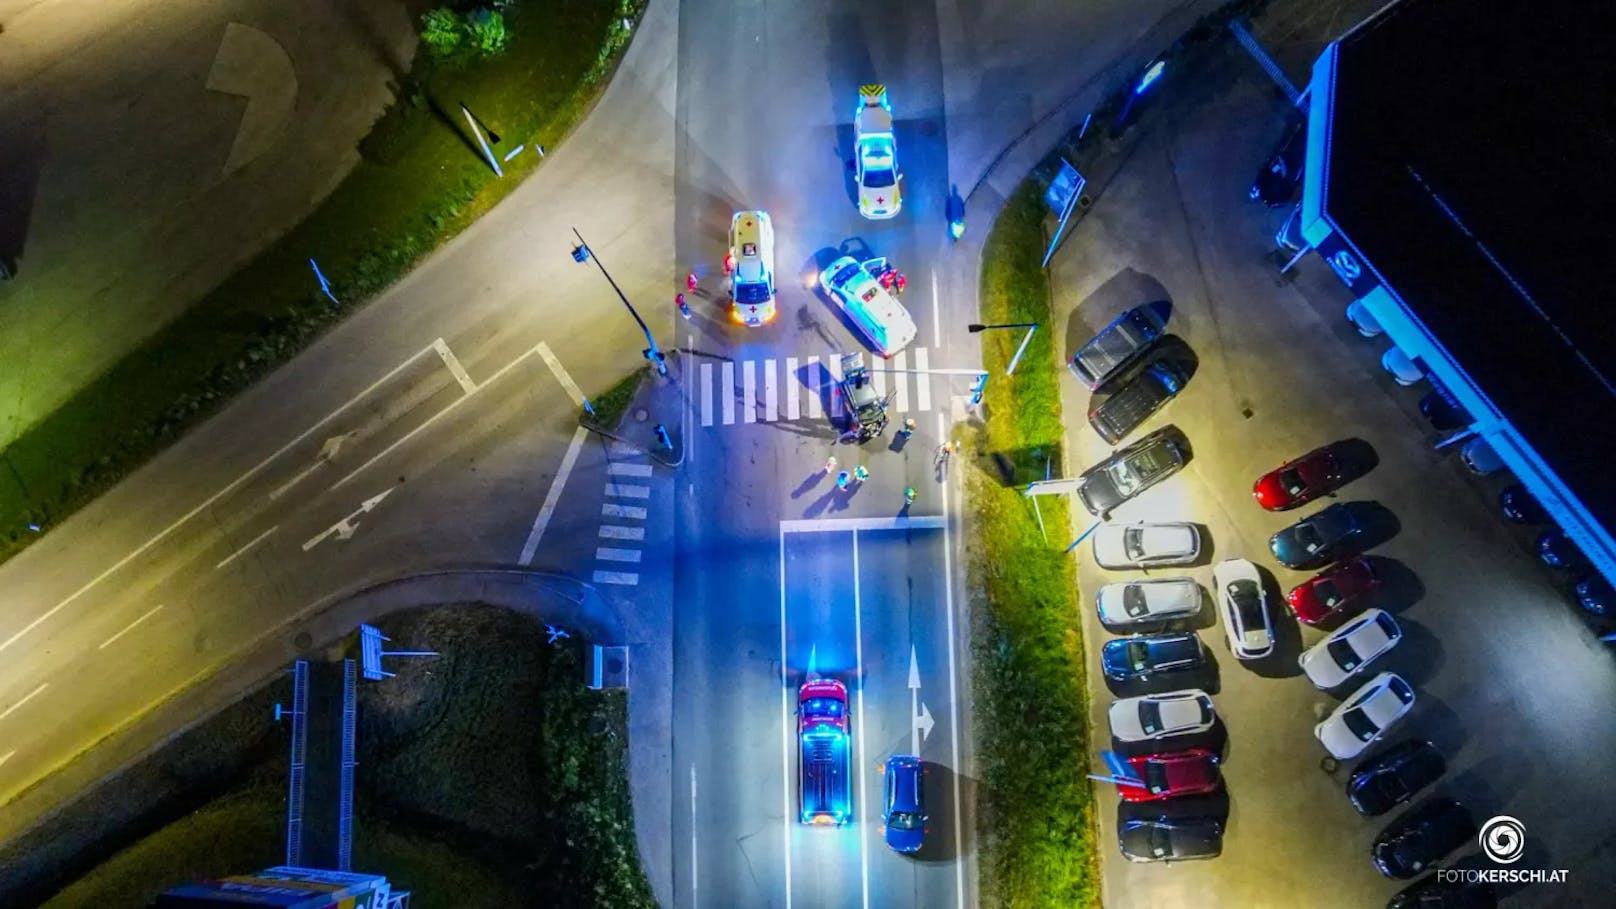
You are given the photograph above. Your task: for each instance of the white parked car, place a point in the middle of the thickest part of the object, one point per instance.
(1148, 602)
(1365, 717)
(877, 313)
(1146, 545)
(1246, 618)
(1157, 716)
(1350, 648)
(880, 194)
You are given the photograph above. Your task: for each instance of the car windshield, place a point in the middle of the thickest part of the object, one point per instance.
(1342, 654)
(1291, 479)
(1247, 601)
(1123, 478)
(1133, 601)
(903, 820)
(1150, 717)
(1155, 776)
(1307, 536)
(878, 179)
(1327, 592)
(1133, 542)
(1137, 655)
(750, 292)
(822, 707)
(1359, 724)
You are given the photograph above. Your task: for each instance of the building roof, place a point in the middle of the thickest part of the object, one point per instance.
(1470, 161)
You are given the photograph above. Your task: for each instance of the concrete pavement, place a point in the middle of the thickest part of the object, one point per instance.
(1280, 372)
(246, 115)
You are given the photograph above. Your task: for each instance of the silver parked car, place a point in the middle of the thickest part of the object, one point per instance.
(1348, 649)
(1143, 545)
(1246, 617)
(1158, 716)
(1148, 602)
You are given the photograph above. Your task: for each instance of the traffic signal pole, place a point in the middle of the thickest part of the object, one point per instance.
(582, 253)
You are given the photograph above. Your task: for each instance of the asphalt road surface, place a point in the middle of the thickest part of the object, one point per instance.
(428, 430)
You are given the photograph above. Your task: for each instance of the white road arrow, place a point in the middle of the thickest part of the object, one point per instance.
(922, 721)
(345, 528)
(327, 452)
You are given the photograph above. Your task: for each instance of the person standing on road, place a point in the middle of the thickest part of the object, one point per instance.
(830, 463)
(943, 452)
(909, 495)
(842, 479)
(691, 282)
(900, 282)
(684, 308)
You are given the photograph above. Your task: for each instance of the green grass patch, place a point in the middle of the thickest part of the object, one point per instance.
(486, 775)
(611, 404)
(1037, 820)
(419, 184)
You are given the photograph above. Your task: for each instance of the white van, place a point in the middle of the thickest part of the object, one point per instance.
(751, 248)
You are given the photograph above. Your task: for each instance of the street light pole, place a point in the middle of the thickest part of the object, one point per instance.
(1031, 327)
(582, 253)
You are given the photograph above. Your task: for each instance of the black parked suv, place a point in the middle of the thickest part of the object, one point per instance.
(1132, 470)
(1422, 836)
(1144, 656)
(1133, 403)
(1391, 777)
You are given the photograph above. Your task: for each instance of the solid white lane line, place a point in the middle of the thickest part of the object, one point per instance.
(834, 525)
(936, 314)
(256, 540)
(694, 878)
(922, 382)
(793, 390)
(953, 684)
(771, 392)
(25, 699)
(130, 627)
(608, 554)
(785, 735)
(816, 407)
(620, 578)
(706, 394)
(628, 491)
(615, 532)
(231, 487)
(749, 391)
(635, 512)
(863, 774)
(455, 368)
(542, 520)
(727, 387)
(427, 423)
(626, 469)
(561, 375)
(900, 362)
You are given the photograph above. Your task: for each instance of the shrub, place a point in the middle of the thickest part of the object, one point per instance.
(487, 32)
(441, 32)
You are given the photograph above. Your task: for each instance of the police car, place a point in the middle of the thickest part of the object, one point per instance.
(751, 249)
(876, 161)
(877, 314)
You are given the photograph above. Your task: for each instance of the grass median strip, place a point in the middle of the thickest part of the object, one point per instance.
(421, 182)
(1037, 821)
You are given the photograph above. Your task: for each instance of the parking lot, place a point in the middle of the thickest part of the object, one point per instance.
(1512, 683)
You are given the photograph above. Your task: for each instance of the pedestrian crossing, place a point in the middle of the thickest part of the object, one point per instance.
(622, 528)
(788, 389)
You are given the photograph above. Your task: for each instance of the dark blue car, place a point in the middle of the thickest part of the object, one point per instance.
(1319, 539)
(904, 807)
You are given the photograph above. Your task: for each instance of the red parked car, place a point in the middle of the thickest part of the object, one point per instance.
(1300, 481)
(1170, 775)
(1334, 591)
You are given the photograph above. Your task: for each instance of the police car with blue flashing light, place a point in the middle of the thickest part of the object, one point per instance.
(877, 314)
(876, 158)
(751, 249)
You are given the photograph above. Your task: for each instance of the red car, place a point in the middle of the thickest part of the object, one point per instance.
(1170, 775)
(1334, 591)
(1300, 481)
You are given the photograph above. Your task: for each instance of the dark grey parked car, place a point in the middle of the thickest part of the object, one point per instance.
(1320, 538)
(1145, 656)
(1133, 403)
(1171, 839)
(1132, 470)
(1391, 777)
